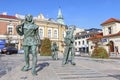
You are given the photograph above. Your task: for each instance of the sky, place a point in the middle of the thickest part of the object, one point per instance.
(82, 13)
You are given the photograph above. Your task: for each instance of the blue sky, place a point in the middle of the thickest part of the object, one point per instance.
(82, 13)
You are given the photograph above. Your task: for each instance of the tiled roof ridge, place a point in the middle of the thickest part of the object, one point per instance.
(7, 16)
(97, 36)
(111, 20)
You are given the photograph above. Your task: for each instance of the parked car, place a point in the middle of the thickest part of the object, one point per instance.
(77, 53)
(0, 51)
(21, 51)
(9, 50)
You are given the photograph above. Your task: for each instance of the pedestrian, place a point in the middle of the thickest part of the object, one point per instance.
(116, 51)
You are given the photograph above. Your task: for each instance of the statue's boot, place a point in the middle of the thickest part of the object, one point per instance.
(64, 62)
(73, 63)
(25, 68)
(56, 58)
(34, 72)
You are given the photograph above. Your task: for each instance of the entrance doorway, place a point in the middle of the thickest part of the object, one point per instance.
(111, 46)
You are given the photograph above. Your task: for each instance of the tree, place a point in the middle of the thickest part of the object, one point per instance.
(99, 52)
(46, 47)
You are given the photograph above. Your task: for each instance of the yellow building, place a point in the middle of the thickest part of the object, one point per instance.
(49, 28)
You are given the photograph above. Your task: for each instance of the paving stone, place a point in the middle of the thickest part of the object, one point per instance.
(48, 69)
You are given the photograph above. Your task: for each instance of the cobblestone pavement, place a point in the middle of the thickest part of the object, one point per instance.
(48, 69)
(8, 62)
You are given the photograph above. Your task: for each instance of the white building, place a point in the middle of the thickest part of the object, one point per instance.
(110, 38)
(111, 33)
(81, 42)
(78, 30)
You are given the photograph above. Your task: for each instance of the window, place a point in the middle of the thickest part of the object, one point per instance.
(75, 43)
(10, 29)
(55, 33)
(87, 42)
(41, 33)
(79, 42)
(109, 30)
(79, 37)
(63, 34)
(91, 47)
(83, 42)
(75, 38)
(49, 32)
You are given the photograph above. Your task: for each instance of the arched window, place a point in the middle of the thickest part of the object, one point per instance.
(49, 33)
(41, 33)
(111, 46)
(55, 33)
(63, 34)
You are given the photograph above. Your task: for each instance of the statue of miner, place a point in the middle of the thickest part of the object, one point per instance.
(54, 49)
(31, 41)
(69, 46)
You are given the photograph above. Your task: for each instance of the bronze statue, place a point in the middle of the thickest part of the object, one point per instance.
(31, 41)
(69, 49)
(54, 49)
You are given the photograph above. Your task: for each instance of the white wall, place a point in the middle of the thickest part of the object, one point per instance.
(78, 30)
(115, 28)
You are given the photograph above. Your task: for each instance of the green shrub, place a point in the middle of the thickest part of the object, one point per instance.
(99, 52)
(46, 47)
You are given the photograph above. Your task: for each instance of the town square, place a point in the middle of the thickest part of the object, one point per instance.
(60, 40)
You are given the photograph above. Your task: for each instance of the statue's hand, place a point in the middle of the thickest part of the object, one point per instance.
(19, 30)
(19, 26)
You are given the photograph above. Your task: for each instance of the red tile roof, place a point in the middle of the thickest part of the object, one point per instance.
(111, 35)
(97, 36)
(8, 16)
(111, 20)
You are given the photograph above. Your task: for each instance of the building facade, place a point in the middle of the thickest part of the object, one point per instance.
(77, 30)
(111, 35)
(8, 34)
(48, 28)
(55, 31)
(110, 38)
(81, 42)
(95, 40)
